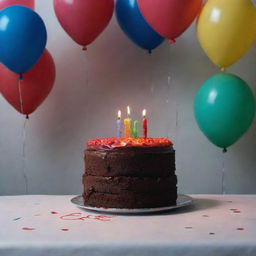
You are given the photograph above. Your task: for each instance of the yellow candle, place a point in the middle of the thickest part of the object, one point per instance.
(127, 127)
(127, 124)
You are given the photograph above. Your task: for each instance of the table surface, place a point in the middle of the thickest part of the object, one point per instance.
(214, 225)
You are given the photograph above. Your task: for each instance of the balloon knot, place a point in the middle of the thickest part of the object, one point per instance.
(27, 116)
(225, 150)
(172, 41)
(21, 76)
(222, 69)
(84, 48)
(149, 51)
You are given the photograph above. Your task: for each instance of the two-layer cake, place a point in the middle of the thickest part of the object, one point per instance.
(130, 173)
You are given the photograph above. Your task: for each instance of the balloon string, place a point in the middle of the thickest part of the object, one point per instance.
(223, 189)
(168, 94)
(176, 106)
(175, 96)
(20, 96)
(167, 97)
(87, 81)
(24, 135)
(151, 72)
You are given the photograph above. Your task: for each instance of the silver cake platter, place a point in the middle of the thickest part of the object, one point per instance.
(182, 200)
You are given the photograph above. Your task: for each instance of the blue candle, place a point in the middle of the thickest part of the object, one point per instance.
(118, 122)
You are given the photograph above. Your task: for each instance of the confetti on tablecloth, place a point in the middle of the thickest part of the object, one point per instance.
(212, 221)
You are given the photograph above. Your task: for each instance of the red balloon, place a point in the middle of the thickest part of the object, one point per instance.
(84, 20)
(27, 3)
(34, 88)
(170, 18)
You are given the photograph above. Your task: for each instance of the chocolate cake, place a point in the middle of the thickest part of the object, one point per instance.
(130, 173)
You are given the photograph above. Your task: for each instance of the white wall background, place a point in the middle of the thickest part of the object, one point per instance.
(91, 86)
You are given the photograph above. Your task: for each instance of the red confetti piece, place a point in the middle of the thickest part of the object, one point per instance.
(74, 216)
(78, 216)
(237, 211)
(29, 229)
(65, 229)
(102, 218)
(53, 212)
(240, 229)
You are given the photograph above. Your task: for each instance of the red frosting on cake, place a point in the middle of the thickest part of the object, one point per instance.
(129, 142)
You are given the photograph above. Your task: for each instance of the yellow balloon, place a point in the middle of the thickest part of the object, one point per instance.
(226, 30)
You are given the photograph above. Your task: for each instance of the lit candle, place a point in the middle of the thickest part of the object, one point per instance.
(135, 129)
(144, 124)
(127, 124)
(118, 122)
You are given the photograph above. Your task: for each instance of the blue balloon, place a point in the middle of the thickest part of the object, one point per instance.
(23, 38)
(134, 25)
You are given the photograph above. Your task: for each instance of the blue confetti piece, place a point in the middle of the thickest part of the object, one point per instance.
(17, 218)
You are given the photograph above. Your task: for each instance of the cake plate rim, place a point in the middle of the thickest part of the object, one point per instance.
(182, 201)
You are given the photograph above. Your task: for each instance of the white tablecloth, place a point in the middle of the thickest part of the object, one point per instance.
(215, 225)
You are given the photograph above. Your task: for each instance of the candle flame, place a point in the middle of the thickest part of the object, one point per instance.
(144, 112)
(119, 114)
(128, 110)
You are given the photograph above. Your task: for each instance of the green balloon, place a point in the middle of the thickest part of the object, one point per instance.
(224, 109)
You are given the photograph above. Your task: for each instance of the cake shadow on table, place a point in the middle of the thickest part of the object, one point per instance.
(198, 204)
